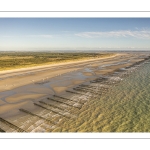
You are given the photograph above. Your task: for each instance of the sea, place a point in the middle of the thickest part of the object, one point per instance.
(124, 108)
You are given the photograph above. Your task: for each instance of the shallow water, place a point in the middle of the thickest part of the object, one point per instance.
(124, 108)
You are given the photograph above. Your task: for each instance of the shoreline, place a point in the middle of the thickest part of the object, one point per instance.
(53, 64)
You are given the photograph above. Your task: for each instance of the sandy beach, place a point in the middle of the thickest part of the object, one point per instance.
(21, 88)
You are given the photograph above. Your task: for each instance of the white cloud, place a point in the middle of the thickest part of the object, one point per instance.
(143, 34)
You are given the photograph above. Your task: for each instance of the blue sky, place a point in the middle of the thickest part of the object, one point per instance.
(74, 34)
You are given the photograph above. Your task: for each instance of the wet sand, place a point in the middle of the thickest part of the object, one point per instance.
(23, 89)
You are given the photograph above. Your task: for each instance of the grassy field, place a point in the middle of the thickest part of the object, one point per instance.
(13, 60)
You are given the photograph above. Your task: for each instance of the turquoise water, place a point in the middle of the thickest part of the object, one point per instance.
(125, 108)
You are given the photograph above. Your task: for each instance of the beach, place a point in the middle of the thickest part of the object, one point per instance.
(49, 98)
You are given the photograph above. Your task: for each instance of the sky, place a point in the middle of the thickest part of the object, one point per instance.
(22, 34)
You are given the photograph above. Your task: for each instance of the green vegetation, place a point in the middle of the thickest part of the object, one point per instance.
(13, 60)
